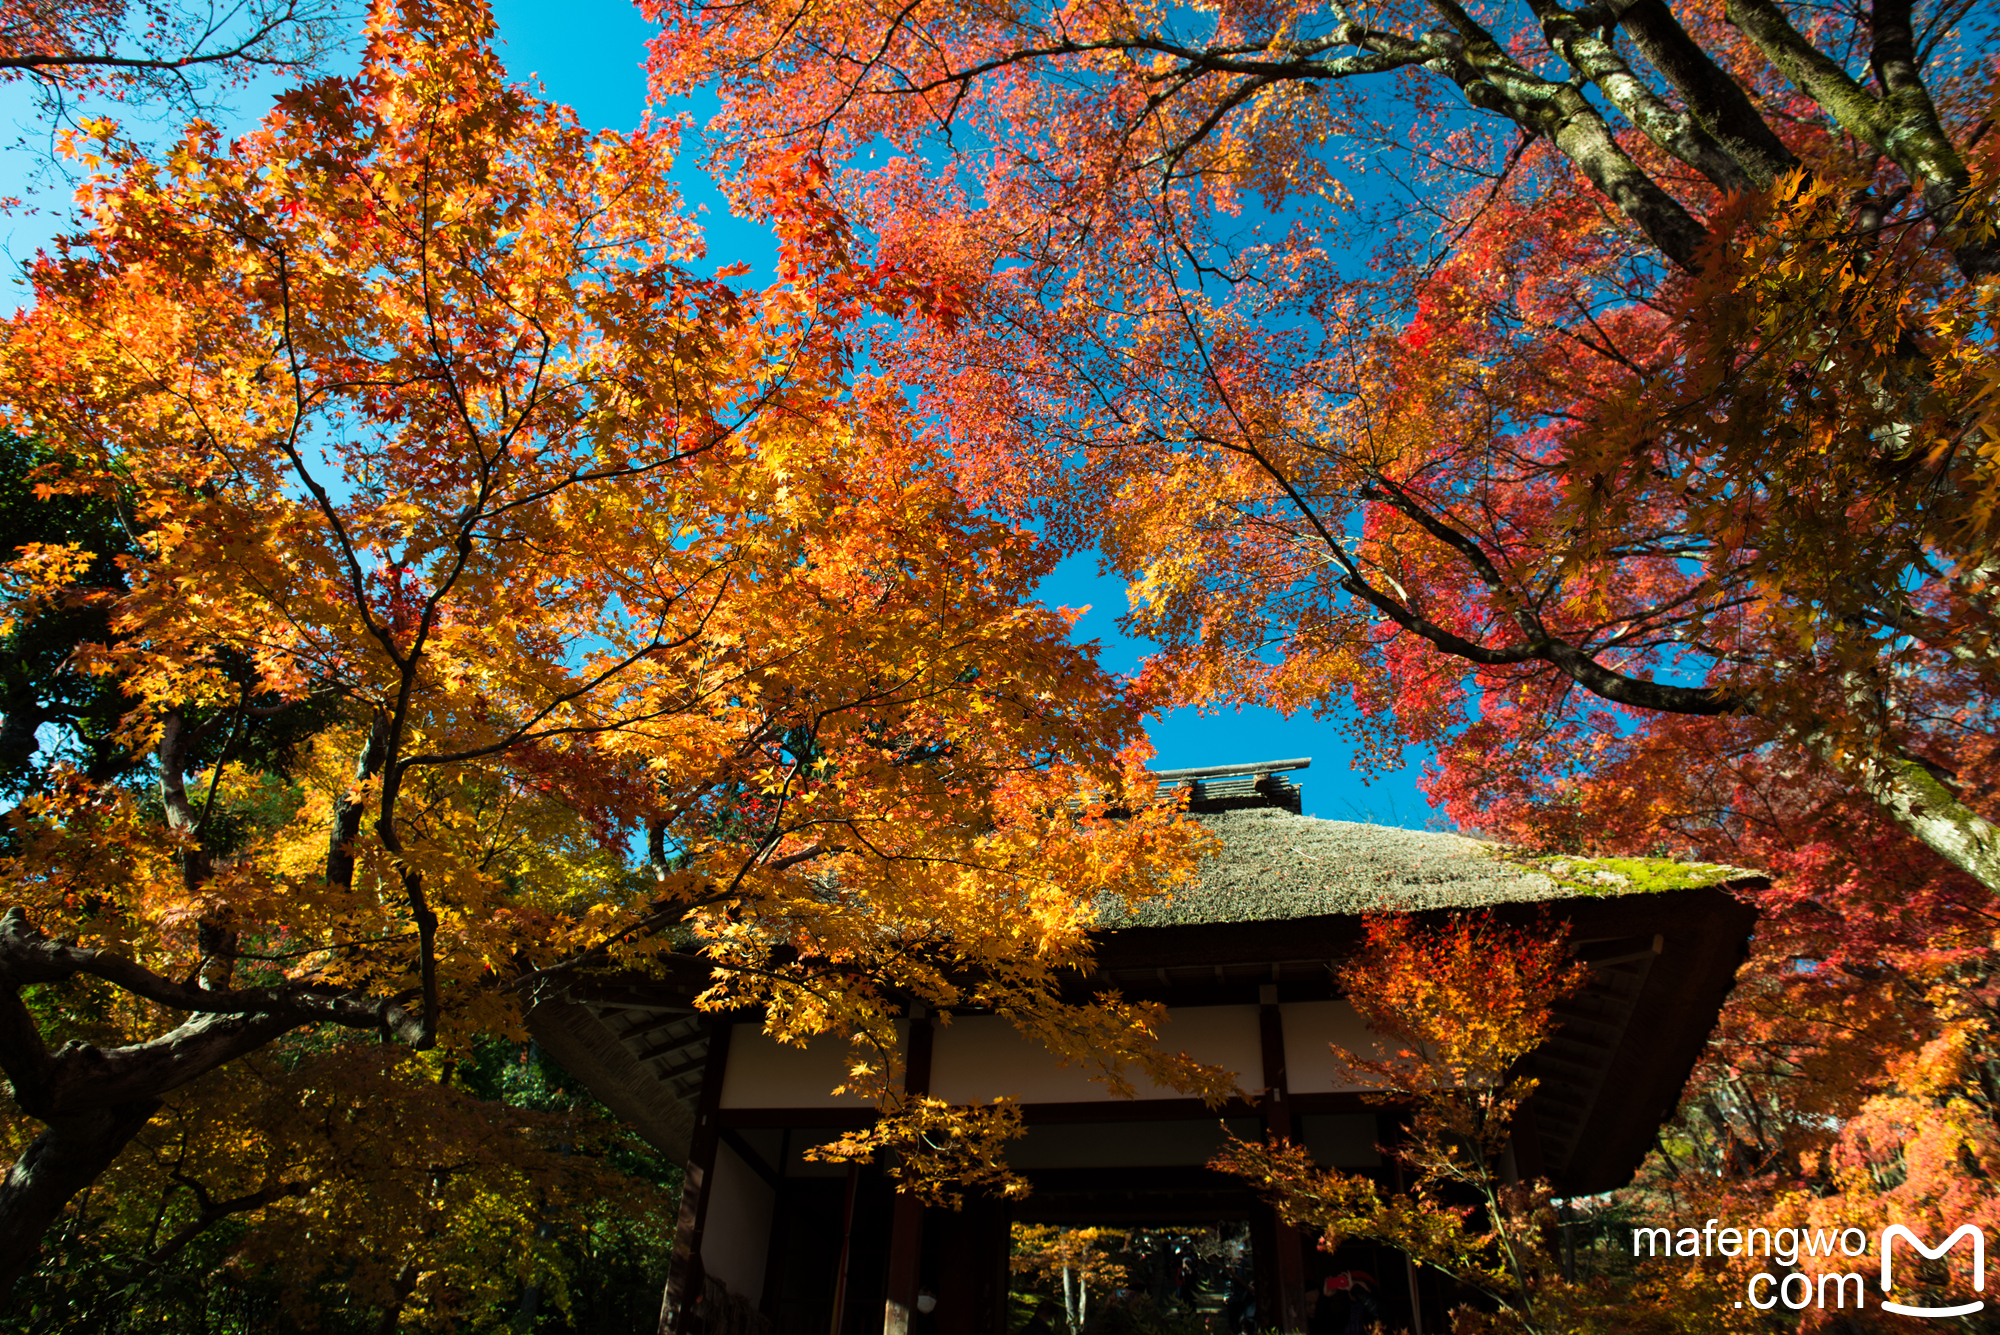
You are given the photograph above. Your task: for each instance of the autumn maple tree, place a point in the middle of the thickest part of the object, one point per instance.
(1070, 1261)
(1533, 378)
(1458, 1005)
(1851, 1082)
(609, 619)
(1601, 396)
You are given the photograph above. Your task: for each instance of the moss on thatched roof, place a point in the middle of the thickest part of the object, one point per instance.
(1275, 865)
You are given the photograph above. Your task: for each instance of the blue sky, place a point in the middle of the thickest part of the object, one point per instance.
(590, 54)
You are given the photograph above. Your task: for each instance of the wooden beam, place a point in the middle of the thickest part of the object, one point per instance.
(1289, 1269)
(679, 1068)
(1226, 771)
(1135, 1110)
(651, 1024)
(831, 1116)
(589, 1050)
(685, 1276)
(748, 1154)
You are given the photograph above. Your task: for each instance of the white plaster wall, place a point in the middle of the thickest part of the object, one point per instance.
(1310, 1026)
(978, 1058)
(764, 1073)
(982, 1057)
(736, 1238)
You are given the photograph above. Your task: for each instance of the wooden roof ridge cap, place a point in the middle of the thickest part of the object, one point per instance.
(1261, 767)
(1254, 779)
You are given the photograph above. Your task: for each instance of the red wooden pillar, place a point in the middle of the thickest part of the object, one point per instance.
(906, 1226)
(1288, 1270)
(686, 1280)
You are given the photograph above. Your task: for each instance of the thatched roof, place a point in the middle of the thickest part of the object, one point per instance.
(1276, 865)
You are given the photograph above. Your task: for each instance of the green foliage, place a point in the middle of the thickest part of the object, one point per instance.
(1626, 875)
(135, 1255)
(1141, 1315)
(40, 685)
(56, 711)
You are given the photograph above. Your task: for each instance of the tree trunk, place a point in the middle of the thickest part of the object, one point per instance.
(1918, 801)
(1715, 99)
(63, 1160)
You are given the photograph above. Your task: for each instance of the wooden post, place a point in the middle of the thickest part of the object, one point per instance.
(1390, 1128)
(846, 1248)
(1526, 1142)
(686, 1279)
(906, 1244)
(906, 1227)
(1288, 1270)
(970, 1268)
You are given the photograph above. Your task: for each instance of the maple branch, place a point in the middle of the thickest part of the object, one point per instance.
(243, 52)
(525, 731)
(288, 36)
(773, 833)
(27, 956)
(599, 951)
(426, 919)
(1488, 77)
(1919, 801)
(212, 1213)
(808, 854)
(1306, 61)
(64, 1159)
(462, 545)
(1228, 102)
(349, 808)
(172, 754)
(1541, 645)
(78, 1078)
(288, 443)
(1903, 786)
(716, 436)
(1902, 124)
(1493, 80)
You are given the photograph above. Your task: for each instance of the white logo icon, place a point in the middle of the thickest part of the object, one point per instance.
(1894, 1231)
